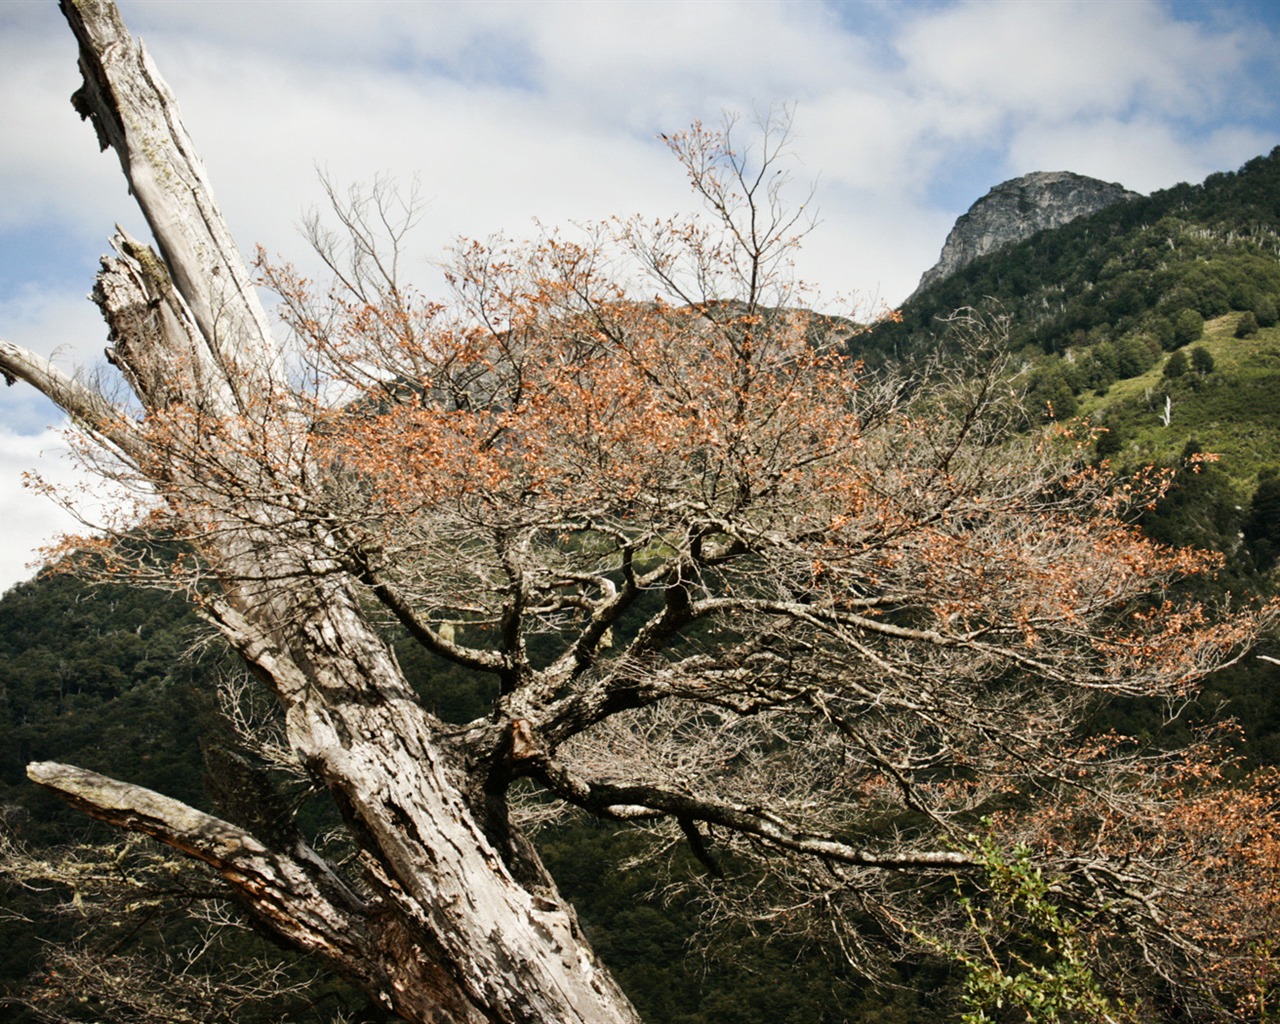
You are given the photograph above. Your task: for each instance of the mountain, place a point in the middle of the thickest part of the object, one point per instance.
(1152, 326)
(1098, 309)
(1155, 319)
(1017, 209)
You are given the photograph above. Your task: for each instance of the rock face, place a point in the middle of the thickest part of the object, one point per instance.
(1017, 209)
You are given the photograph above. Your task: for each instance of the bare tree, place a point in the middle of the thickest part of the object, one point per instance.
(813, 626)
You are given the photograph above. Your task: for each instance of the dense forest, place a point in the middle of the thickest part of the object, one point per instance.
(1152, 323)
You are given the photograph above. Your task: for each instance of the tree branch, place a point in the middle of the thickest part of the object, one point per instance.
(278, 888)
(399, 606)
(287, 895)
(134, 112)
(84, 404)
(635, 800)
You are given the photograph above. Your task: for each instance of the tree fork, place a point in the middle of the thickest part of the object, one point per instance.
(454, 935)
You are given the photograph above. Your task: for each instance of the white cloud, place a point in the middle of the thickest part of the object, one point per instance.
(883, 142)
(505, 111)
(682, 59)
(1143, 154)
(47, 493)
(60, 324)
(55, 322)
(49, 163)
(30, 519)
(1070, 58)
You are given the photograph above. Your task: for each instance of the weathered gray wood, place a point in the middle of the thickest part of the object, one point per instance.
(452, 934)
(135, 114)
(294, 895)
(82, 403)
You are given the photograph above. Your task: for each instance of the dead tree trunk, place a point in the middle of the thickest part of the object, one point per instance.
(850, 621)
(463, 924)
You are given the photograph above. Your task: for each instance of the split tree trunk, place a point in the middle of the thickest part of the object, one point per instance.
(460, 927)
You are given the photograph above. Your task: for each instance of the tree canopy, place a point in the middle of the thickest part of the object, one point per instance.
(822, 627)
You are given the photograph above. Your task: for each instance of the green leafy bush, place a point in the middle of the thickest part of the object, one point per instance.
(1177, 365)
(1030, 962)
(1188, 326)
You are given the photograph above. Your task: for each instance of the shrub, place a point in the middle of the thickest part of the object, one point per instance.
(1201, 360)
(1177, 365)
(1188, 326)
(1132, 357)
(1049, 396)
(1247, 326)
(1262, 527)
(1264, 311)
(1109, 443)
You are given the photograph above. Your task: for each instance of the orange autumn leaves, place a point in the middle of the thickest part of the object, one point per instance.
(1185, 842)
(623, 410)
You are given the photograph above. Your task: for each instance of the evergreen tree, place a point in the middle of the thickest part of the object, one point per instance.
(1262, 527)
(1188, 326)
(1176, 365)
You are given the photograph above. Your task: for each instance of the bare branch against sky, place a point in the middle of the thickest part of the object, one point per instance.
(506, 112)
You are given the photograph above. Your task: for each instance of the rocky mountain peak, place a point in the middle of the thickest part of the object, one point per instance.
(1017, 209)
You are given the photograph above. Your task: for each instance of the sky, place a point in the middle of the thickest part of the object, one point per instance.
(508, 114)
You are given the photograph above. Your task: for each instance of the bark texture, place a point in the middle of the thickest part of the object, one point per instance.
(819, 626)
(446, 932)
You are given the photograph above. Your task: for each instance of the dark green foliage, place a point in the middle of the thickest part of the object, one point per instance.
(140, 709)
(1188, 326)
(1247, 326)
(447, 690)
(91, 672)
(1190, 252)
(1176, 365)
(1097, 371)
(244, 793)
(1202, 361)
(107, 678)
(1050, 396)
(1200, 508)
(1110, 443)
(1262, 526)
(1133, 357)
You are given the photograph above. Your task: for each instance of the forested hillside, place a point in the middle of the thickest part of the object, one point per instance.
(1155, 320)
(1134, 272)
(1153, 323)
(1169, 297)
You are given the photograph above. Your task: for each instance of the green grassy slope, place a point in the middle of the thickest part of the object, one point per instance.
(1233, 411)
